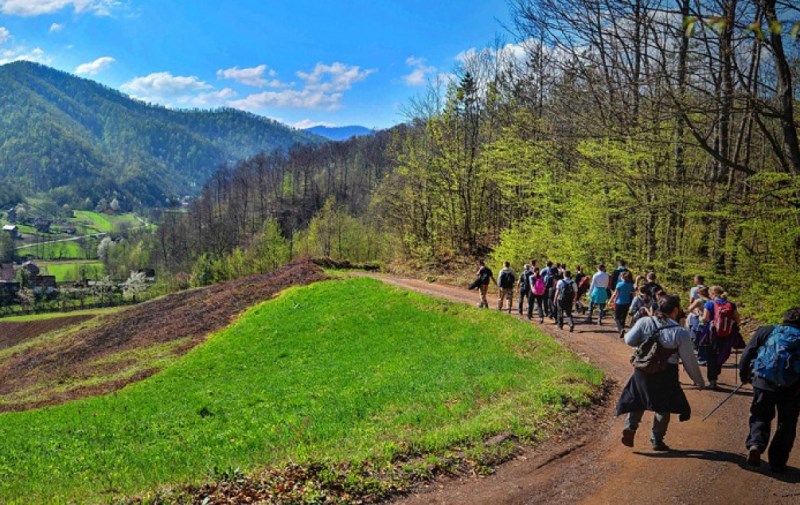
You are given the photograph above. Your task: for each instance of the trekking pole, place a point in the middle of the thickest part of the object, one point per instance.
(736, 368)
(725, 400)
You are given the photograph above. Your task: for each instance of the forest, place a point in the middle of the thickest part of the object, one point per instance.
(661, 131)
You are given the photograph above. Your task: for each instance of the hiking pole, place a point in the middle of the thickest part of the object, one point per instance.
(725, 400)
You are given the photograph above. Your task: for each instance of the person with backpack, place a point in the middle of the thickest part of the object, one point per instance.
(537, 288)
(616, 274)
(694, 322)
(722, 321)
(654, 384)
(640, 305)
(551, 282)
(505, 284)
(598, 293)
(566, 294)
(485, 275)
(524, 286)
(651, 286)
(621, 299)
(771, 361)
(583, 282)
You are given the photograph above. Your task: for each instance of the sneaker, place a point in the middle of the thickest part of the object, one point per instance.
(660, 446)
(627, 437)
(621, 333)
(571, 328)
(712, 385)
(541, 321)
(754, 456)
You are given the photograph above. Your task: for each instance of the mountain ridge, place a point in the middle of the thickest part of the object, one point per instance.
(72, 138)
(337, 133)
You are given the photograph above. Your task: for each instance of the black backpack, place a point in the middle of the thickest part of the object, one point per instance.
(651, 357)
(566, 294)
(507, 280)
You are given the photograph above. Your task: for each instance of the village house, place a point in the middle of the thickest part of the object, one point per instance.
(12, 230)
(42, 225)
(8, 281)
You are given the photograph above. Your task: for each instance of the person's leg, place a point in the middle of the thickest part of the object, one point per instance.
(500, 292)
(631, 425)
(570, 319)
(712, 366)
(531, 301)
(540, 307)
(559, 317)
(483, 289)
(620, 315)
(660, 425)
(591, 311)
(762, 411)
(788, 407)
(521, 299)
(510, 295)
(601, 312)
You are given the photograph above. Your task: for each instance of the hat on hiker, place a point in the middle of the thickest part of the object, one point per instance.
(792, 316)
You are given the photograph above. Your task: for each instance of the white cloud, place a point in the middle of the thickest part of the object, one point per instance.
(163, 87)
(208, 100)
(39, 7)
(23, 54)
(252, 77)
(94, 67)
(419, 72)
(334, 77)
(55, 27)
(4, 35)
(307, 123)
(289, 98)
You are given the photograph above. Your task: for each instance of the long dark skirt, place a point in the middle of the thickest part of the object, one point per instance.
(657, 392)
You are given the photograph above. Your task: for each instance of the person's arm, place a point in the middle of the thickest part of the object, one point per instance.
(695, 305)
(634, 336)
(736, 317)
(686, 352)
(591, 285)
(706, 316)
(574, 293)
(613, 298)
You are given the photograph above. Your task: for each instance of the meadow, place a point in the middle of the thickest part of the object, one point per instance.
(339, 371)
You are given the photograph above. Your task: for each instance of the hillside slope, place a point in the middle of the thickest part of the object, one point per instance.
(340, 132)
(75, 138)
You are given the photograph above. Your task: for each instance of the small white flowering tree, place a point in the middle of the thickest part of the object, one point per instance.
(136, 283)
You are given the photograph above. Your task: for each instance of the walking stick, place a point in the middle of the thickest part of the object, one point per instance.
(725, 400)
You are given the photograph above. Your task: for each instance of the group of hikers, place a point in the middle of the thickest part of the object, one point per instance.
(665, 334)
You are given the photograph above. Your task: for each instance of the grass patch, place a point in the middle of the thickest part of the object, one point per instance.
(94, 222)
(58, 315)
(348, 372)
(69, 271)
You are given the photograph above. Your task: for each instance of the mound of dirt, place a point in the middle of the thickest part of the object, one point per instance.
(190, 315)
(14, 333)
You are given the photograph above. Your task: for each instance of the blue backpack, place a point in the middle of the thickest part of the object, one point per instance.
(778, 360)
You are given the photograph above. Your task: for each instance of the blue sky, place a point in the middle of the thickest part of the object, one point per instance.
(302, 62)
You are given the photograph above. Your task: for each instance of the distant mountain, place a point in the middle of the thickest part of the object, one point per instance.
(72, 138)
(340, 132)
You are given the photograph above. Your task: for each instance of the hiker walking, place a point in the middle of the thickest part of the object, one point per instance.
(583, 282)
(772, 362)
(699, 283)
(621, 299)
(640, 305)
(694, 321)
(537, 289)
(598, 293)
(551, 278)
(654, 384)
(616, 275)
(524, 286)
(485, 276)
(505, 283)
(566, 294)
(651, 286)
(721, 332)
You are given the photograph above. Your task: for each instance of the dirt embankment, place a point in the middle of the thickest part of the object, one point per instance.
(189, 316)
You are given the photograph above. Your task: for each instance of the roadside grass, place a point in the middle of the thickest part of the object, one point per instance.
(69, 271)
(340, 372)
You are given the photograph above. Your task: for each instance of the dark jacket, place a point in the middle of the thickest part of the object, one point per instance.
(751, 352)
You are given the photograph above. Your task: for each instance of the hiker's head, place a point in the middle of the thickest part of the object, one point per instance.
(717, 292)
(660, 294)
(507, 264)
(549, 263)
(601, 267)
(533, 262)
(651, 277)
(481, 263)
(626, 276)
(699, 280)
(643, 293)
(669, 306)
(792, 316)
(621, 262)
(535, 270)
(579, 268)
(703, 292)
(527, 266)
(568, 274)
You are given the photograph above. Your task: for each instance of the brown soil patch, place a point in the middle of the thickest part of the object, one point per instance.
(12, 334)
(194, 314)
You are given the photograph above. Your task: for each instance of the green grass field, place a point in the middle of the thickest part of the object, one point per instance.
(58, 315)
(97, 222)
(67, 271)
(345, 370)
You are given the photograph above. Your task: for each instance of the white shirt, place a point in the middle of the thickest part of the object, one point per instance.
(600, 280)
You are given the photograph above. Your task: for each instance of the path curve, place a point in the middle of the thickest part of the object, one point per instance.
(707, 464)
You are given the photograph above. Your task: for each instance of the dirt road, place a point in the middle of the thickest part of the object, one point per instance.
(707, 464)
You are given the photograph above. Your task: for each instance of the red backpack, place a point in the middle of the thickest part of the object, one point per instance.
(723, 319)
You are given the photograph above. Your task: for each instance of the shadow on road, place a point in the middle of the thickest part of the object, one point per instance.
(791, 475)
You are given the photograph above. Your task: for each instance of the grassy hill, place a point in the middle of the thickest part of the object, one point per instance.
(73, 138)
(339, 371)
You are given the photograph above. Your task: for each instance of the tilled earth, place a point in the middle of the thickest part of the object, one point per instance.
(14, 333)
(189, 316)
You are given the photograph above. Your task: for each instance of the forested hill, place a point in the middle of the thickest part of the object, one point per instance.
(76, 139)
(340, 132)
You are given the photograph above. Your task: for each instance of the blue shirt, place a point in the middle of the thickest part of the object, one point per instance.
(709, 306)
(624, 293)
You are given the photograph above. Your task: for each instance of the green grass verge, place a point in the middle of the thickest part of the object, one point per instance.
(57, 315)
(341, 371)
(68, 271)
